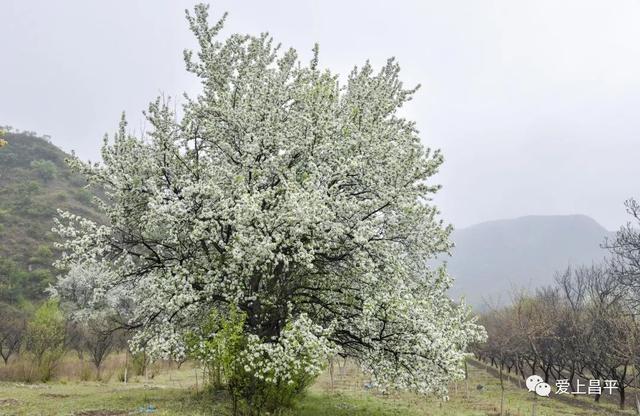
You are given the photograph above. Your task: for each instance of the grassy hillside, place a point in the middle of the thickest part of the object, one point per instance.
(34, 183)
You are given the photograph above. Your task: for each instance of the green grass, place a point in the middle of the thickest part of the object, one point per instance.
(174, 393)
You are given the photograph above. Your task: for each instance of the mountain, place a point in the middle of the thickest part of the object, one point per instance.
(493, 258)
(34, 183)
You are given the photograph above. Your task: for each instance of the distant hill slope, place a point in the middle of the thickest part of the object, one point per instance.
(34, 183)
(493, 257)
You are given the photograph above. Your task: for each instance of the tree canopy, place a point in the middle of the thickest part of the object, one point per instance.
(302, 203)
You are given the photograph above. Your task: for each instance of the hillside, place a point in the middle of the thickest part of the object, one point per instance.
(492, 258)
(34, 183)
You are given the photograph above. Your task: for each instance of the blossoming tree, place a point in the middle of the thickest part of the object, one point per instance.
(300, 202)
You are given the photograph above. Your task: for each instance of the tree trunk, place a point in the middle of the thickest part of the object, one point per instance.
(331, 372)
(466, 379)
(572, 374)
(501, 392)
(234, 405)
(126, 365)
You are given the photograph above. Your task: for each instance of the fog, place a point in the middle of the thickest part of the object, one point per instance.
(534, 104)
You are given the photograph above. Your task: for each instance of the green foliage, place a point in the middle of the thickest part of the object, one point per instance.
(45, 338)
(217, 345)
(13, 281)
(18, 285)
(39, 278)
(84, 196)
(86, 372)
(24, 194)
(222, 347)
(45, 169)
(139, 363)
(43, 255)
(262, 396)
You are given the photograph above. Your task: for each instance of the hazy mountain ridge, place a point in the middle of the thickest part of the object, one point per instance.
(492, 258)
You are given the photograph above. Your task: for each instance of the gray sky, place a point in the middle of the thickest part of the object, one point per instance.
(534, 103)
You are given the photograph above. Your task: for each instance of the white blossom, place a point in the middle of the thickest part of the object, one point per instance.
(296, 199)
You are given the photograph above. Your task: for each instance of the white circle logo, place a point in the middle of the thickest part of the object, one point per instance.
(543, 389)
(533, 381)
(537, 384)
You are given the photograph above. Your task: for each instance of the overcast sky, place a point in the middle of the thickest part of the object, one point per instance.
(535, 104)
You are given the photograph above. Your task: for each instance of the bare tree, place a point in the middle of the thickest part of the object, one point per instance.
(501, 343)
(600, 330)
(12, 328)
(625, 253)
(582, 326)
(98, 340)
(573, 325)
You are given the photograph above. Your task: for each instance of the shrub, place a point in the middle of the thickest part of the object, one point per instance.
(216, 345)
(45, 338)
(45, 169)
(140, 362)
(260, 376)
(42, 255)
(84, 196)
(86, 372)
